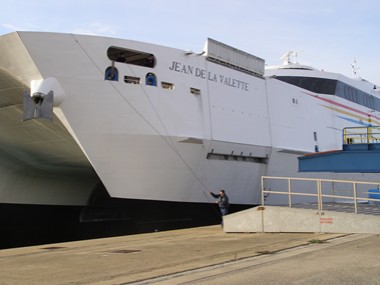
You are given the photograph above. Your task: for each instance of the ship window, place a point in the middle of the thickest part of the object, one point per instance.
(316, 85)
(151, 79)
(131, 80)
(167, 85)
(130, 56)
(111, 73)
(333, 87)
(195, 91)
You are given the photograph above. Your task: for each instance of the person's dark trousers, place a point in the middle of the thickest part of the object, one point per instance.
(224, 211)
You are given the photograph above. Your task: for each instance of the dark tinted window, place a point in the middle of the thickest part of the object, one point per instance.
(130, 56)
(333, 87)
(316, 85)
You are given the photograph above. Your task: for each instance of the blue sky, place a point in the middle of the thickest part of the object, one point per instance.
(329, 34)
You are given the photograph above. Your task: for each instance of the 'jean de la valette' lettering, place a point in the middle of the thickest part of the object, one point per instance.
(202, 73)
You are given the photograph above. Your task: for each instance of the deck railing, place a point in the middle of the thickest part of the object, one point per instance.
(361, 135)
(294, 192)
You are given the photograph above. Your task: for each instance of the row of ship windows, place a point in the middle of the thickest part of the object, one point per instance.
(333, 87)
(112, 74)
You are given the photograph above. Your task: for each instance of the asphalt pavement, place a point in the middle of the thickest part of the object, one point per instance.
(204, 255)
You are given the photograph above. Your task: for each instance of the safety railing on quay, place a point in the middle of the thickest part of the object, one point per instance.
(299, 192)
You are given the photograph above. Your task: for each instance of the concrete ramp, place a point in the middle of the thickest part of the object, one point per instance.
(285, 219)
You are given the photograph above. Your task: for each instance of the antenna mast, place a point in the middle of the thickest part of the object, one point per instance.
(354, 69)
(291, 57)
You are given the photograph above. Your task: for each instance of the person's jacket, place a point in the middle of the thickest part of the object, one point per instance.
(222, 200)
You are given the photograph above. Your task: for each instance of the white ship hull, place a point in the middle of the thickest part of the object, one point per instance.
(207, 125)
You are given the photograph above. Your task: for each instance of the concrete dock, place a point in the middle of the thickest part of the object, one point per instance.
(139, 258)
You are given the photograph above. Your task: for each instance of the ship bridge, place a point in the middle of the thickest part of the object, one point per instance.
(360, 153)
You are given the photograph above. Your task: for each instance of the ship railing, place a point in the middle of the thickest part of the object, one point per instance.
(361, 135)
(360, 197)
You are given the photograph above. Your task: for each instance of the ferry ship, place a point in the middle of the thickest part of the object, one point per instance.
(101, 123)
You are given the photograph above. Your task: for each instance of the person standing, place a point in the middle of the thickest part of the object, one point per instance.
(223, 201)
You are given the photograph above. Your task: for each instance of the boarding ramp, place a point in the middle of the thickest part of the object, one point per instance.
(311, 205)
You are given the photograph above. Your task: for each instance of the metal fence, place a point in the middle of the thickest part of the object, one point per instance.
(361, 135)
(319, 193)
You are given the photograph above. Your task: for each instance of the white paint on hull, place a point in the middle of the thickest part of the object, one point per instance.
(148, 142)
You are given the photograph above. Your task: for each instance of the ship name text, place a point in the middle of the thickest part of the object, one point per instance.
(202, 73)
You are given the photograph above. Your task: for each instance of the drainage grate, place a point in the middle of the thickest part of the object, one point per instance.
(125, 251)
(265, 252)
(53, 247)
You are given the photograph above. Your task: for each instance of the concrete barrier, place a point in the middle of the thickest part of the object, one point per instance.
(284, 219)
